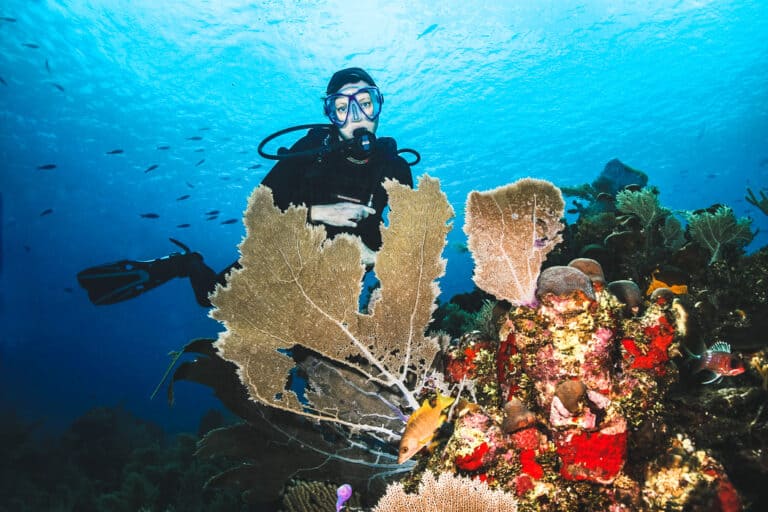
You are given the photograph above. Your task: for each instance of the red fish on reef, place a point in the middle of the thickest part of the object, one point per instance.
(718, 360)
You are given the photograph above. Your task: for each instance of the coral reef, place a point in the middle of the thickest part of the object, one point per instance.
(580, 381)
(684, 478)
(562, 393)
(105, 460)
(732, 423)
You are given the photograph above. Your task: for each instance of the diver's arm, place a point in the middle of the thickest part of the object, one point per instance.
(343, 214)
(287, 178)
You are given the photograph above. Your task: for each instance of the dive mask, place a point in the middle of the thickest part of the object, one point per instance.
(366, 101)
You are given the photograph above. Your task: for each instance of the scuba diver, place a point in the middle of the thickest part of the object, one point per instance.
(335, 170)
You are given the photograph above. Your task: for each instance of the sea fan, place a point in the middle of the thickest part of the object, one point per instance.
(644, 204)
(719, 229)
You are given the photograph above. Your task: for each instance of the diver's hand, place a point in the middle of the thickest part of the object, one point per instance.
(367, 256)
(344, 214)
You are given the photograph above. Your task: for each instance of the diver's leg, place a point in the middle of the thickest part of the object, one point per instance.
(204, 280)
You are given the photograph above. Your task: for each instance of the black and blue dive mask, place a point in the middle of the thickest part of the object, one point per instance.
(366, 101)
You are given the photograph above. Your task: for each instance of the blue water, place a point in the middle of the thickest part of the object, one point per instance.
(486, 93)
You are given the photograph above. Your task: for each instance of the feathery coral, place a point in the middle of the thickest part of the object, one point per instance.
(449, 493)
(297, 288)
(644, 204)
(510, 231)
(715, 230)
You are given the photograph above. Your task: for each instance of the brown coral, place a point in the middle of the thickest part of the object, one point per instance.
(628, 293)
(591, 268)
(447, 493)
(516, 416)
(510, 231)
(296, 287)
(571, 393)
(562, 281)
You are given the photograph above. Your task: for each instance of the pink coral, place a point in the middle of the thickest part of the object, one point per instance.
(523, 484)
(526, 439)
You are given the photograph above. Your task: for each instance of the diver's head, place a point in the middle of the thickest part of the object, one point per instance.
(353, 102)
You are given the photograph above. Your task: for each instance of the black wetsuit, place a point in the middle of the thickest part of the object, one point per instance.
(325, 179)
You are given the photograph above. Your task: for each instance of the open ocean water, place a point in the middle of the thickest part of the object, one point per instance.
(487, 92)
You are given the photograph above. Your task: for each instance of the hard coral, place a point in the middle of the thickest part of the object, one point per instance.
(562, 281)
(591, 268)
(628, 293)
(447, 493)
(516, 416)
(570, 394)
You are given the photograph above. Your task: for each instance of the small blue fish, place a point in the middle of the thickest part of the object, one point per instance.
(185, 225)
(151, 168)
(343, 493)
(183, 198)
(58, 86)
(200, 162)
(164, 147)
(115, 152)
(149, 216)
(46, 167)
(229, 221)
(428, 30)
(45, 212)
(195, 137)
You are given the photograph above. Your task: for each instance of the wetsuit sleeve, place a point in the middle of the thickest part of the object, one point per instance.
(287, 177)
(395, 166)
(401, 171)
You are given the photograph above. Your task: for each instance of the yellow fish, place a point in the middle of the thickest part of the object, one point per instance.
(421, 427)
